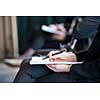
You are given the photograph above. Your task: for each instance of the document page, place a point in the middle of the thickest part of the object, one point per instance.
(39, 60)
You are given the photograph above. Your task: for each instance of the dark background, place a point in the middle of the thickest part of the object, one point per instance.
(29, 26)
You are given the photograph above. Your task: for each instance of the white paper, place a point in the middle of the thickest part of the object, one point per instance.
(50, 29)
(38, 60)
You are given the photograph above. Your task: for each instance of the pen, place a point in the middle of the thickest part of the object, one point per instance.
(54, 54)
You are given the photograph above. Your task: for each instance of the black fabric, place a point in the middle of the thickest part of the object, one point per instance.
(80, 54)
(94, 51)
(86, 71)
(30, 73)
(87, 28)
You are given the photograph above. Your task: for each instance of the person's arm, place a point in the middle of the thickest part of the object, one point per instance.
(81, 54)
(65, 56)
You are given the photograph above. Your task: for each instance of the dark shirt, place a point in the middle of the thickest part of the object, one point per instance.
(89, 71)
(88, 27)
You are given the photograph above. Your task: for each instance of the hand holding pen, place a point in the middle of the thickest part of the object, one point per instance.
(59, 52)
(63, 50)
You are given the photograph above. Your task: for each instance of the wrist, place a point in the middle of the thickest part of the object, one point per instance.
(68, 68)
(75, 57)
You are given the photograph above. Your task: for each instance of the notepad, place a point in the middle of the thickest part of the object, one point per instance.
(50, 29)
(39, 60)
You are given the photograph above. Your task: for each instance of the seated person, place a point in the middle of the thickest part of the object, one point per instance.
(41, 45)
(88, 71)
(47, 40)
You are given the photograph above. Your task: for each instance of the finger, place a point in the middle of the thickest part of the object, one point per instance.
(55, 57)
(51, 68)
(51, 58)
(50, 54)
(64, 49)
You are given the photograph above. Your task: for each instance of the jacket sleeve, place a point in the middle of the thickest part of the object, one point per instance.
(86, 71)
(81, 54)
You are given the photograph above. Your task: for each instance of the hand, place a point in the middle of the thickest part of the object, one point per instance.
(65, 56)
(62, 33)
(59, 68)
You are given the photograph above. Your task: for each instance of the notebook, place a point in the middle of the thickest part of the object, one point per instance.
(39, 60)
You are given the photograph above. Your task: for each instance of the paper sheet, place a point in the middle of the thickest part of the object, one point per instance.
(38, 60)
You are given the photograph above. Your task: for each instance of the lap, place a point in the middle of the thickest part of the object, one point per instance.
(41, 74)
(29, 73)
(55, 78)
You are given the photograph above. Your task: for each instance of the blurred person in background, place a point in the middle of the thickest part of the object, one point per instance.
(80, 28)
(43, 42)
(48, 40)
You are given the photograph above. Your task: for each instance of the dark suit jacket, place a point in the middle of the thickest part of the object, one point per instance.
(89, 71)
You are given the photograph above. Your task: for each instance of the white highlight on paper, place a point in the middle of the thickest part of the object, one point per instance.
(39, 60)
